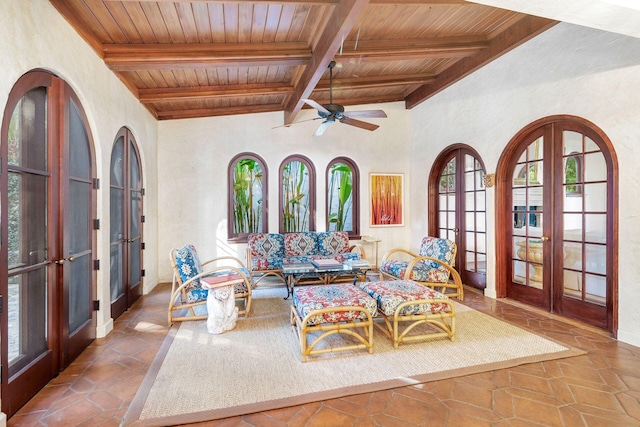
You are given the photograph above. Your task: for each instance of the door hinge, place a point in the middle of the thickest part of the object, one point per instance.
(142, 246)
(142, 273)
(96, 264)
(96, 224)
(96, 305)
(142, 191)
(96, 183)
(142, 219)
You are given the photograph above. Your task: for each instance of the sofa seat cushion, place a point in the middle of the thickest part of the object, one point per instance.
(259, 263)
(332, 243)
(390, 294)
(422, 271)
(308, 299)
(267, 245)
(300, 244)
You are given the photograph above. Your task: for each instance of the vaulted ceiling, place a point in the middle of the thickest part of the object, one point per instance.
(186, 59)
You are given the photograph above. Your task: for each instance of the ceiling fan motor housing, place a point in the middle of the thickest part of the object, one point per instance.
(335, 109)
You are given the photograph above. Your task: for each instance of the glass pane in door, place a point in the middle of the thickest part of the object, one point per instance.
(447, 201)
(526, 192)
(116, 230)
(27, 227)
(474, 207)
(78, 224)
(584, 205)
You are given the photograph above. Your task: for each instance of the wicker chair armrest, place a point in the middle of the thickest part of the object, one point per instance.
(181, 288)
(452, 271)
(398, 251)
(225, 258)
(359, 249)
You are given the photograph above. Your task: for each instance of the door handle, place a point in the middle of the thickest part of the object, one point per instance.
(63, 260)
(544, 238)
(456, 229)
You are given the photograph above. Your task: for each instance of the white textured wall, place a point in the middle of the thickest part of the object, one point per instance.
(566, 70)
(36, 36)
(194, 155)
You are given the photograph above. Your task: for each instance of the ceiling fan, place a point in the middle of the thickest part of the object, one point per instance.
(332, 112)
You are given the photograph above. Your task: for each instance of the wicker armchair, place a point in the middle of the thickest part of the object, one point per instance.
(432, 266)
(187, 291)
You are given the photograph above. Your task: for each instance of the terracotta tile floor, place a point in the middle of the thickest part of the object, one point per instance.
(601, 388)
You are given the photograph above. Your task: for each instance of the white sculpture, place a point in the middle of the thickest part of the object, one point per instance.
(222, 309)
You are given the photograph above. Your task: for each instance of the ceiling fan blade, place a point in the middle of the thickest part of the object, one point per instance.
(323, 126)
(301, 121)
(315, 105)
(366, 113)
(358, 123)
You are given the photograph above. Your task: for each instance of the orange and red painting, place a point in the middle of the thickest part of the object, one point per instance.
(386, 199)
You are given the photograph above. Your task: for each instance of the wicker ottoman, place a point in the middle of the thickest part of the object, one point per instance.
(332, 309)
(409, 301)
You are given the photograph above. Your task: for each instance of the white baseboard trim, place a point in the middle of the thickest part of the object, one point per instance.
(149, 285)
(3, 419)
(629, 337)
(490, 293)
(103, 330)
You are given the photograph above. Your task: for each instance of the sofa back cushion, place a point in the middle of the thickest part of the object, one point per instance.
(300, 244)
(438, 248)
(188, 265)
(332, 243)
(266, 245)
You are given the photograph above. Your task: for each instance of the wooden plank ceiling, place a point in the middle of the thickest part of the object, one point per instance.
(186, 59)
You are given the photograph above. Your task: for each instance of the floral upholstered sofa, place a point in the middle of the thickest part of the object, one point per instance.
(266, 252)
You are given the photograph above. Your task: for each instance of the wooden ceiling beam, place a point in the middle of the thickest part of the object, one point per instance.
(148, 96)
(151, 96)
(344, 16)
(526, 29)
(137, 57)
(364, 100)
(223, 111)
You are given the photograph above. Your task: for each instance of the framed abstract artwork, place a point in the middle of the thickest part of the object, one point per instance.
(387, 196)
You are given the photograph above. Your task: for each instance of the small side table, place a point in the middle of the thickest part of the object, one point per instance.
(374, 241)
(221, 302)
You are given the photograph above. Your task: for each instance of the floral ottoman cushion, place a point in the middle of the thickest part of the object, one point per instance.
(390, 294)
(308, 299)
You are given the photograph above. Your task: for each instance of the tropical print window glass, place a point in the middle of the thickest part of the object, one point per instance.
(297, 192)
(248, 182)
(340, 197)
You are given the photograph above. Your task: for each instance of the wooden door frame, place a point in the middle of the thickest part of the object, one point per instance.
(503, 222)
(432, 197)
(73, 345)
(128, 140)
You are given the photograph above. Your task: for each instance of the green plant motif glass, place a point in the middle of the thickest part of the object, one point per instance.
(247, 197)
(340, 197)
(295, 200)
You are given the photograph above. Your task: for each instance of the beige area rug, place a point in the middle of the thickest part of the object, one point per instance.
(257, 366)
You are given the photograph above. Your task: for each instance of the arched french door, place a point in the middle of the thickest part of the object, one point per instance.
(126, 223)
(47, 252)
(556, 195)
(457, 195)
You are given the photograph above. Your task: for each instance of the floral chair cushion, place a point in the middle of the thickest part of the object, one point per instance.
(331, 243)
(299, 244)
(422, 271)
(188, 265)
(268, 245)
(307, 299)
(438, 248)
(390, 294)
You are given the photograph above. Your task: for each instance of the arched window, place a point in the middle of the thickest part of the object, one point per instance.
(247, 178)
(343, 198)
(297, 194)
